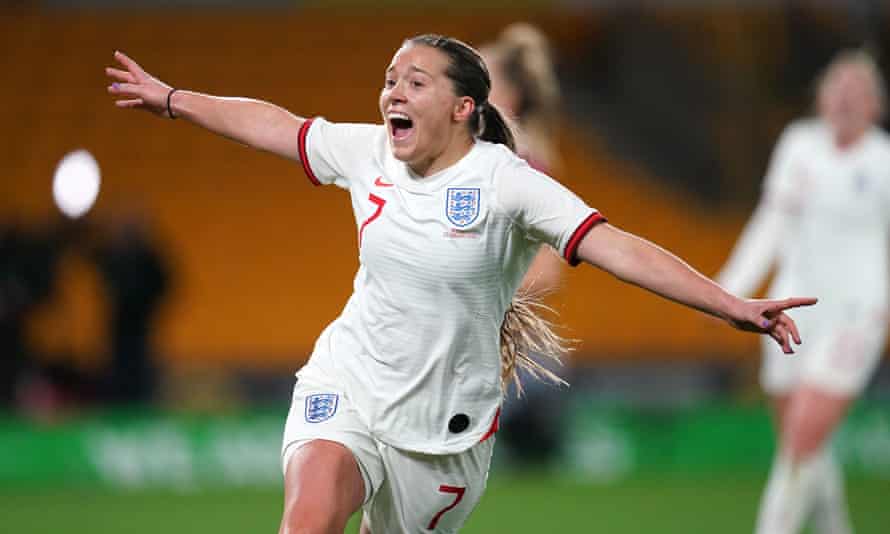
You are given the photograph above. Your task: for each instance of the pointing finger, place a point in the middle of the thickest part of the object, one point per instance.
(795, 302)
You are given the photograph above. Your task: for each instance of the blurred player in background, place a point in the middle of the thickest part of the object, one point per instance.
(396, 410)
(823, 218)
(524, 87)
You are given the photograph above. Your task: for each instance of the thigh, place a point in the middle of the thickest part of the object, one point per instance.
(811, 416)
(323, 487)
(428, 493)
(320, 411)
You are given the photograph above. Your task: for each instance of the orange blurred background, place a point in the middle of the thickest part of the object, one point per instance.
(263, 260)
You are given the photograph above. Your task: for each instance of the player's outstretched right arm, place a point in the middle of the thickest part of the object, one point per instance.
(255, 123)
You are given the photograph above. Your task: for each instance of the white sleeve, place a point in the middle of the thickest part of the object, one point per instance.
(755, 250)
(546, 210)
(754, 253)
(779, 183)
(331, 152)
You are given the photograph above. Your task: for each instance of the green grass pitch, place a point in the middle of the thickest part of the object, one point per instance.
(514, 503)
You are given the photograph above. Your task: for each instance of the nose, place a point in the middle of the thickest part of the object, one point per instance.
(397, 93)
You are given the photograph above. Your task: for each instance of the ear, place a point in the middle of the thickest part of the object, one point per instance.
(463, 109)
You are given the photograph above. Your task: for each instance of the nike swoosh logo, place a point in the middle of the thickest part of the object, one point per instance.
(380, 183)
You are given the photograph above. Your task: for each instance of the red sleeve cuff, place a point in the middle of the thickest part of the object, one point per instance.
(304, 157)
(572, 247)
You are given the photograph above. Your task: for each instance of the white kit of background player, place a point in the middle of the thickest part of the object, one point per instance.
(824, 220)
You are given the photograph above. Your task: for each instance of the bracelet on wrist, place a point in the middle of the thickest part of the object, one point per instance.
(169, 109)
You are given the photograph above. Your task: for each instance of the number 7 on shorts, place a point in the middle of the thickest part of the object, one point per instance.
(447, 489)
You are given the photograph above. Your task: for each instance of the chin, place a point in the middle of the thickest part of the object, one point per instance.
(402, 153)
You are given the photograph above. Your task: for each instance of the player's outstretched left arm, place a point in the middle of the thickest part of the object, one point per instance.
(639, 262)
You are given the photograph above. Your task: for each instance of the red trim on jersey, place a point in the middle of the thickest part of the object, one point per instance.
(304, 157)
(494, 426)
(572, 247)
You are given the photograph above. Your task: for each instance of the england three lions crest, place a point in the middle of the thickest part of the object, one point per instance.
(321, 407)
(462, 205)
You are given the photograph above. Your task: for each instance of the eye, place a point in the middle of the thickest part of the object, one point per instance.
(417, 84)
(389, 83)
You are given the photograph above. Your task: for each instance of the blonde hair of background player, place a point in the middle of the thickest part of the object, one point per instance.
(524, 86)
(851, 94)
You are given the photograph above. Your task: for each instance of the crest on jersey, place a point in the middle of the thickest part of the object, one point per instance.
(321, 407)
(462, 205)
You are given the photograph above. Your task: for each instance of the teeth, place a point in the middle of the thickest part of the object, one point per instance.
(395, 115)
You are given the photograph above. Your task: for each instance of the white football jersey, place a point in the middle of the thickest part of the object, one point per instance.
(416, 348)
(838, 208)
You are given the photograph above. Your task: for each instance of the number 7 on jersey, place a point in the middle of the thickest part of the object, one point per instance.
(458, 491)
(380, 203)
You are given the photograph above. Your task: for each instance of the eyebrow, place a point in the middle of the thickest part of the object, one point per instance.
(412, 67)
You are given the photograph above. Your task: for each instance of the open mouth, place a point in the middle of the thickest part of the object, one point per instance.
(401, 127)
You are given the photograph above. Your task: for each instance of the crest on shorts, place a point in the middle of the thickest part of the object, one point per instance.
(462, 205)
(321, 407)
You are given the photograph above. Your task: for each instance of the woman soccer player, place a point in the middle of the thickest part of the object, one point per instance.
(396, 409)
(824, 217)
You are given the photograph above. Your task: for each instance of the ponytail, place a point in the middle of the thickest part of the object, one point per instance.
(525, 332)
(494, 127)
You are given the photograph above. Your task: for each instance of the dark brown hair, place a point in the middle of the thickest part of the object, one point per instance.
(468, 73)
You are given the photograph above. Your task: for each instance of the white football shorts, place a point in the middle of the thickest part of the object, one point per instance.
(404, 491)
(842, 346)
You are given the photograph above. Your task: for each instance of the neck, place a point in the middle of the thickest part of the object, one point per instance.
(456, 149)
(845, 139)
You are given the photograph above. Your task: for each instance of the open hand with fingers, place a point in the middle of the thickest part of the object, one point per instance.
(768, 317)
(136, 88)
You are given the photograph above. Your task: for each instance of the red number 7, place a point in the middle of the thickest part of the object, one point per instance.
(376, 200)
(447, 489)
